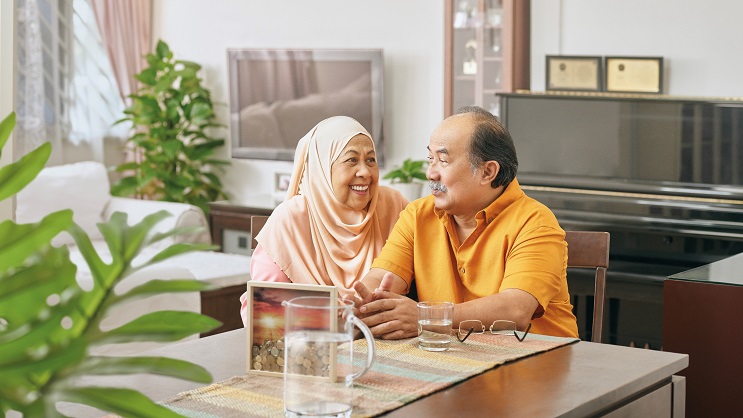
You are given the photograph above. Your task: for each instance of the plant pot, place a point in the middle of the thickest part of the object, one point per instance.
(411, 191)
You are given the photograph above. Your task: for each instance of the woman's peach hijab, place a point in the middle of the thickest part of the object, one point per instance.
(313, 237)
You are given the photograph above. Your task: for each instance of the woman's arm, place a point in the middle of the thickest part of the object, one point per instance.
(262, 269)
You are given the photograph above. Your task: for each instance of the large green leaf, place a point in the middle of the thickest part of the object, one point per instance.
(15, 176)
(125, 402)
(183, 231)
(103, 274)
(176, 249)
(25, 289)
(18, 242)
(56, 359)
(6, 127)
(155, 286)
(160, 326)
(153, 365)
(35, 342)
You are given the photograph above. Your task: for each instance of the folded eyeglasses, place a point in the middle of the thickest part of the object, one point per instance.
(498, 327)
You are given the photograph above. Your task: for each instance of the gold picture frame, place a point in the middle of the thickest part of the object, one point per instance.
(634, 74)
(265, 324)
(574, 73)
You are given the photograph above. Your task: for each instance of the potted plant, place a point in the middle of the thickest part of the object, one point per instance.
(404, 178)
(170, 116)
(48, 323)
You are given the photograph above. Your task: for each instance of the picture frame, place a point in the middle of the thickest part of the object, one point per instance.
(574, 73)
(634, 74)
(281, 182)
(265, 324)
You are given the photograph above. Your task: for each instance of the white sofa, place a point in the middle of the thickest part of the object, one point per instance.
(84, 187)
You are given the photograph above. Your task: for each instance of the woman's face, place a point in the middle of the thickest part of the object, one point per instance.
(355, 174)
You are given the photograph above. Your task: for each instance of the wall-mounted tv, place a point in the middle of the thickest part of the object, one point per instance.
(278, 95)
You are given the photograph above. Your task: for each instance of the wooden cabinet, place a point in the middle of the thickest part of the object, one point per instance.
(230, 221)
(230, 229)
(700, 318)
(486, 51)
(223, 305)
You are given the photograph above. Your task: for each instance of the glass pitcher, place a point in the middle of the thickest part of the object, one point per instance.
(319, 356)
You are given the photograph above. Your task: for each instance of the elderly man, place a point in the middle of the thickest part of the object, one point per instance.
(477, 241)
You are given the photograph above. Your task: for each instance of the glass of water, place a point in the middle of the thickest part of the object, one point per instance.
(434, 325)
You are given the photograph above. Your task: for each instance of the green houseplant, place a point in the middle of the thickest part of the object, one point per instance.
(48, 324)
(404, 178)
(410, 170)
(170, 115)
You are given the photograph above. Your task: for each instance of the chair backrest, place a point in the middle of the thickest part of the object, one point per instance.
(256, 224)
(590, 249)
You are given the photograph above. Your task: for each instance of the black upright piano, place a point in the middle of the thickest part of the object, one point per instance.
(662, 174)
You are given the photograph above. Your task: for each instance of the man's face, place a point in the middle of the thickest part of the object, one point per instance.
(355, 174)
(454, 185)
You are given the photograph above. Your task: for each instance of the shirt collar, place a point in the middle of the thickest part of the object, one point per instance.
(511, 194)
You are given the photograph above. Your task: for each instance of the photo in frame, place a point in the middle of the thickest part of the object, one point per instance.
(265, 325)
(634, 74)
(281, 182)
(574, 73)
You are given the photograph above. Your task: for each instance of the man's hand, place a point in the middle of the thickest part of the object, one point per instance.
(390, 316)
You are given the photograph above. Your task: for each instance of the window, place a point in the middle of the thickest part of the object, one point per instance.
(66, 91)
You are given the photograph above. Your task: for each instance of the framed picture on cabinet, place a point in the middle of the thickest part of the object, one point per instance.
(281, 182)
(574, 73)
(634, 74)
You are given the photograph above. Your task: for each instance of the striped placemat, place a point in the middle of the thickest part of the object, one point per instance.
(401, 374)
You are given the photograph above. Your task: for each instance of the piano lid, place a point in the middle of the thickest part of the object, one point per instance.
(629, 143)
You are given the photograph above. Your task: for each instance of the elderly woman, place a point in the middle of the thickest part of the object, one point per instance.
(335, 218)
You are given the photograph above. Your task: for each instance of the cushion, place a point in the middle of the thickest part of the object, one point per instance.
(82, 187)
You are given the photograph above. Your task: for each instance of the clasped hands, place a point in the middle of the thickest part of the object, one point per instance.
(388, 315)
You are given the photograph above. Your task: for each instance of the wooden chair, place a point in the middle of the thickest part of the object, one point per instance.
(590, 249)
(256, 224)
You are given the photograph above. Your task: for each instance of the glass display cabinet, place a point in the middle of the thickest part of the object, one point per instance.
(486, 51)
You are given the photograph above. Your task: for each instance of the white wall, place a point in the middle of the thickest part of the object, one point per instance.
(701, 42)
(411, 32)
(7, 36)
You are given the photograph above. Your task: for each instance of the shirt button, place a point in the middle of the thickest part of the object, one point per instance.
(462, 269)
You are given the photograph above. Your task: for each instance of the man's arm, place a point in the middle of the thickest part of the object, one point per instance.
(510, 304)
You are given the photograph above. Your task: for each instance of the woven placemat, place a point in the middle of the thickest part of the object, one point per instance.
(401, 374)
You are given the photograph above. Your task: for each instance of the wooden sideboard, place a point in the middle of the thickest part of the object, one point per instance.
(700, 318)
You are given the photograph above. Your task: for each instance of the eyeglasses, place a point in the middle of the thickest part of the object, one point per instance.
(499, 327)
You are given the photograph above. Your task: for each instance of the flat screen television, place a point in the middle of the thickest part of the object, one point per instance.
(278, 95)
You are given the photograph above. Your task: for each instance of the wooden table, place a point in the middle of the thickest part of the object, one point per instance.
(582, 379)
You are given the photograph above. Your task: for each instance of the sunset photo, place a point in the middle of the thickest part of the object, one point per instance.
(266, 321)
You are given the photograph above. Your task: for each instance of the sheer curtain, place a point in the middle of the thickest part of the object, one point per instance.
(66, 91)
(42, 68)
